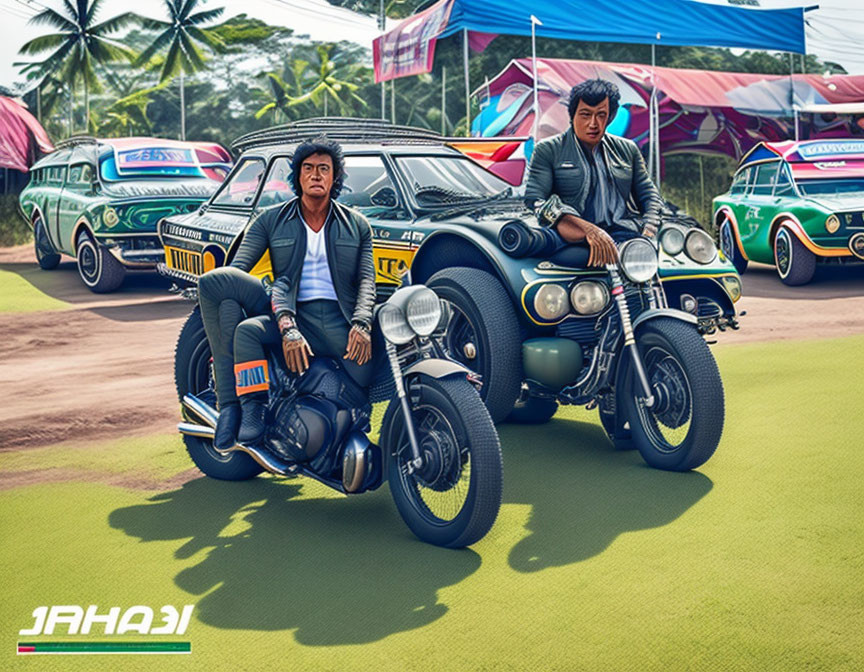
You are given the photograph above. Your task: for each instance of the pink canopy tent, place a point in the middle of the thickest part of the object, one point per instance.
(699, 111)
(22, 138)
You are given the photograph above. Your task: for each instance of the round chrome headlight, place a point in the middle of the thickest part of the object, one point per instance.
(589, 297)
(672, 241)
(394, 325)
(638, 260)
(423, 311)
(110, 217)
(699, 247)
(550, 302)
(832, 224)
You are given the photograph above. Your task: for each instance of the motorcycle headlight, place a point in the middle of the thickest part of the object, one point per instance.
(589, 297)
(110, 217)
(672, 241)
(832, 224)
(699, 247)
(638, 260)
(394, 324)
(550, 302)
(424, 311)
(732, 285)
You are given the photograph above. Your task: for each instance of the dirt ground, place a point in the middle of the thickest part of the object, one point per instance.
(103, 367)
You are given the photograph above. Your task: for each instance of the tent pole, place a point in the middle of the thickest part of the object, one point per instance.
(393, 101)
(792, 93)
(654, 118)
(443, 100)
(383, 83)
(467, 83)
(534, 22)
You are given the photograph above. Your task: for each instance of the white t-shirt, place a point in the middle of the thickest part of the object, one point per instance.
(315, 279)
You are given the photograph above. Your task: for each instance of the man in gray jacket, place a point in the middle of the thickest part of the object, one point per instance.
(322, 299)
(591, 187)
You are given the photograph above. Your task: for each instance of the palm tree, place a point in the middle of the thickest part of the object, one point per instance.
(329, 82)
(179, 35)
(79, 45)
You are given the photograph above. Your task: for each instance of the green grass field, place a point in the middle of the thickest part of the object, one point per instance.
(755, 562)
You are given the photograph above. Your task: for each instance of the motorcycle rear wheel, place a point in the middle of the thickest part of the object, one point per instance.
(454, 499)
(682, 430)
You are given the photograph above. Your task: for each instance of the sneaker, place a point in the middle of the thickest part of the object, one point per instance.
(253, 425)
(227, 426)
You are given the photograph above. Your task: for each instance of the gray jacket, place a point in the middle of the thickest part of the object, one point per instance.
(559, 166)
(349, 256)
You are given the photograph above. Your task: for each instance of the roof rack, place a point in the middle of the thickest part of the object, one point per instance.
(344, 129)
(76, 140)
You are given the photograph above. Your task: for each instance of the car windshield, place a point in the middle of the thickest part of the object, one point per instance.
(447, 180)
(158, 162)
(848, 185)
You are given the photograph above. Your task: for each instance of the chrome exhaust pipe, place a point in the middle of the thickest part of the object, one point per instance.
(201, 409)
(191, 429)
(264, 458)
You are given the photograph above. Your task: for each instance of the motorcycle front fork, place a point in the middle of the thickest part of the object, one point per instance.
(629, 337)
(416, 460)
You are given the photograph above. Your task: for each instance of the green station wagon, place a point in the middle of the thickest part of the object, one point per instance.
(793, 205)
(99, 201)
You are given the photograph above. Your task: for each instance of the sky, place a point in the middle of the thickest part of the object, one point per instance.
(835, 31)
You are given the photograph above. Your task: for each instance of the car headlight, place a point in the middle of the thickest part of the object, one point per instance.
(589, 297)
(110, 217)
(423, 311)
(699, 247)
(638, 260)
(732, 285)
(672, 241)
(832, 224)
(550, 302)
(394, 325)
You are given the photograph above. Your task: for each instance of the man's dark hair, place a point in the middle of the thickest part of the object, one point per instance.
(593, 91)
(320, 145)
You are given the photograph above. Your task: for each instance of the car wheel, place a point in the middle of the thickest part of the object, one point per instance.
(99, 270)
(729, 246)
(46, 255)
(483, 334)
(795, 263)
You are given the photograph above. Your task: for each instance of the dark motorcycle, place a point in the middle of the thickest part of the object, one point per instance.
(438, 447)
(613, 343)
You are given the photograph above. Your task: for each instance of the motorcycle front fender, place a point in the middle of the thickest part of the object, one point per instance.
(436, 368)
(665, 312)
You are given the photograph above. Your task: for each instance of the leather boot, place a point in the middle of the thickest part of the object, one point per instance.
(253, 423)
(227, 426)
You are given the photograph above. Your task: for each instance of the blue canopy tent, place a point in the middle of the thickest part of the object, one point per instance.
(665, 22)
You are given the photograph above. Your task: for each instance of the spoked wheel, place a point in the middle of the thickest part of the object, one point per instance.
(681, 430)
(193, 373)
(453, 499)
(729, 246)
(46, 255)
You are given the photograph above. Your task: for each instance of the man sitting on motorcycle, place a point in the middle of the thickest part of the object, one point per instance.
(322, 299)
(589, 186)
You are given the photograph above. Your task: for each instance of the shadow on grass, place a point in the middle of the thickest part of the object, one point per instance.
(584, 493)
(338, 570)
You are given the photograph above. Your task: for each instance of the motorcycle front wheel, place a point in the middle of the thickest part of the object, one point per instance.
(453, 499)
(682, 429)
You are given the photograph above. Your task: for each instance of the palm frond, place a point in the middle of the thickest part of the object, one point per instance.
(116, 23)
(205, 16)
(43, 43)
(54, 19)
(264, 110)
(208, 38)
(172, 62)
(155, 46)
(192, 53)
(154, 24)
(106, 51)
(95, 6)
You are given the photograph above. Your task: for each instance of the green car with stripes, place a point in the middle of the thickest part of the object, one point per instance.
(795, 205)
(99, 201)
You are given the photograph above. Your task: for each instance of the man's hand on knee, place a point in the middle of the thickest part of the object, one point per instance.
(295, 348)
(359, 345)
(576, 230)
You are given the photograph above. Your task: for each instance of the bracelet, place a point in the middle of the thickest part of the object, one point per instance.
(291, 335)
(362, 326)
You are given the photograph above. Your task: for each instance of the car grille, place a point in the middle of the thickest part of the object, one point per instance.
(184, 260)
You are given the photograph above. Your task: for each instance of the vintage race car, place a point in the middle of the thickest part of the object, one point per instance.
(431, 209)
(100, 201)
(793, 205)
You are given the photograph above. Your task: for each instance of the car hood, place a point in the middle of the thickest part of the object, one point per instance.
(839, 203)
(202, 189)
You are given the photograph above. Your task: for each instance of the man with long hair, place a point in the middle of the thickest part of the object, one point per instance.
(322, 298)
